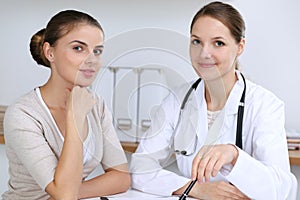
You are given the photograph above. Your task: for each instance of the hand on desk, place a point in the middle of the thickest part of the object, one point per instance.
(214, 190)
(217, 190)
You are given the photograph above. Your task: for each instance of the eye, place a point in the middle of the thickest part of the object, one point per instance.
(219, 43)
(97, 51)
(78, 48)
(195, 42)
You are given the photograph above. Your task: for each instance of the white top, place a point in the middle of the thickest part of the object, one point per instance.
(211, 116)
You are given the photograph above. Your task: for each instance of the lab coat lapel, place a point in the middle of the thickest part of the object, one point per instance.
(231, 110)
(189, 126)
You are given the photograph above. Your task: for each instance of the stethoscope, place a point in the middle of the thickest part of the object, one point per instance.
(239, 128)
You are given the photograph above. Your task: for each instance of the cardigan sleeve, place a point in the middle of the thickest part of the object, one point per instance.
(24, 138)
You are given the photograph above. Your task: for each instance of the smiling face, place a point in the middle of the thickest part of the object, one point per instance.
(75, 58)
(213, 50)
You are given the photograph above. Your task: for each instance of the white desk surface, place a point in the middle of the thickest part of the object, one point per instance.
(137, 195)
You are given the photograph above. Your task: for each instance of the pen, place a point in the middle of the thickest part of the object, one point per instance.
(187, 190)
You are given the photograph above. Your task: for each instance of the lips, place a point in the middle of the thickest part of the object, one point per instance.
(207, 65)
(88, 73)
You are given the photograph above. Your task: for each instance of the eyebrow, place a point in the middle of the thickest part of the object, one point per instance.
(194, 36)
(83, 43)
(215, 38)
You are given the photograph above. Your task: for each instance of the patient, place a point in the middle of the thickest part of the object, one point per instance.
(58, 133)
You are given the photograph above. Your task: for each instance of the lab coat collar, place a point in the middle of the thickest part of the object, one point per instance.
(234, 98)
(232, 104)
(231, 107)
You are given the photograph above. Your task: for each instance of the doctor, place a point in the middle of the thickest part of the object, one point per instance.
(225, 131)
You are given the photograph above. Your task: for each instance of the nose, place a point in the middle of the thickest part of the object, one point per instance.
(92, 58)
(205, 52)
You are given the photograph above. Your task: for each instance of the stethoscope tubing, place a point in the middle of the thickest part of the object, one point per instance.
(239, 120)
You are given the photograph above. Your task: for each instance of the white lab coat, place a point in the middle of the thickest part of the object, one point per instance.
(262, 170)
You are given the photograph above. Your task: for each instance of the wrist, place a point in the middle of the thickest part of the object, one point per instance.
(197, 191)
(236, 154)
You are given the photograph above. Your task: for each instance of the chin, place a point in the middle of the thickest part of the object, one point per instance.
(209, 74)
(83, 84)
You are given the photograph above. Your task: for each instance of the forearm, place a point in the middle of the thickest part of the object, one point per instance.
(111, 182)
(268, 180)
(68, 174)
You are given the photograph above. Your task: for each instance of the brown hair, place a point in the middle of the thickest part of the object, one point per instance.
(226, 14)
(58, 26)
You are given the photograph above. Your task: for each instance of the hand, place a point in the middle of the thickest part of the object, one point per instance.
(79, 103)
(210, 159)
(217, 190)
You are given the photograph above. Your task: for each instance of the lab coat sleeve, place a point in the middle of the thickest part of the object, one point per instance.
(154, 153)
(266, 169)
(157, 181)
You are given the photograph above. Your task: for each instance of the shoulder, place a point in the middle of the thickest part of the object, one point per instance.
(258, 93)
(178, 93)
(26, 104)
(23, 115)
(262, 102)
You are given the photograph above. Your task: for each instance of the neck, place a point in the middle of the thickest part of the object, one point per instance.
(54, 93)
(218, 90)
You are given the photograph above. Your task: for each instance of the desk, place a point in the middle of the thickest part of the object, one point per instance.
(1, 138)
(129, 146)
(2, 111)
(294, 157)
(137, 195)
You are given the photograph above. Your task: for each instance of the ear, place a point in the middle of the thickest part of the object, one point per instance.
(48, 51)
(241, 46)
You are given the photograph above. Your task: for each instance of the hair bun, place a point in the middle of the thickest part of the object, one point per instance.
(36, 48)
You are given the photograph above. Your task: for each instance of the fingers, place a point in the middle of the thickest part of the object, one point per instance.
(195, 165)
(219, 190)
(210, 167)
(203, 164)
(210, 159)
(82, 96)
(235, 193)
(228, 191)
(80, 102)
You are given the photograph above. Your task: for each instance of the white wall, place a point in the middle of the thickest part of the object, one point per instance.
(270, 58)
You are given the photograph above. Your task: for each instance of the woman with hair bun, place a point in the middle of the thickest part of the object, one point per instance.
(58, 133)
